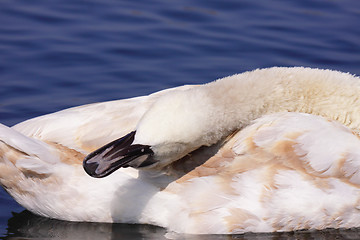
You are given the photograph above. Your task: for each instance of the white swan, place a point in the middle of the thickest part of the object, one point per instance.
(207, 166)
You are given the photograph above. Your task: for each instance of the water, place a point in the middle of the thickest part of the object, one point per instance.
(56, 54)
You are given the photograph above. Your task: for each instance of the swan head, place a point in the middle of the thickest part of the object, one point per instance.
(175, 125)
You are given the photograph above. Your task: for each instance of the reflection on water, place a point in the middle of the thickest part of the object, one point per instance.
(26, 225)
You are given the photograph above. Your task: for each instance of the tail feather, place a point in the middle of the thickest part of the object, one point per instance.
(32, 172)
(24, 153)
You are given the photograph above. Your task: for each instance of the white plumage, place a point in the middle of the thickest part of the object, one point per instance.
(269, 150)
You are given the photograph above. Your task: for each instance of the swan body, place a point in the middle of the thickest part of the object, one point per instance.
(269, 150)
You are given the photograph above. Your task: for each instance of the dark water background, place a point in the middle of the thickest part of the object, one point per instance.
(56, 54)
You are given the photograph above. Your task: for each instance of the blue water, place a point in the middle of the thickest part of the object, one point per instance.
(55, 54)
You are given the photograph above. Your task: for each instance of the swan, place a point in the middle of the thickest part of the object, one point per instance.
(268, 150)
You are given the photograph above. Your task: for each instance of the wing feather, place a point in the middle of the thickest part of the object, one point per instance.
(86, 128)
(25, 153)
(304, 142)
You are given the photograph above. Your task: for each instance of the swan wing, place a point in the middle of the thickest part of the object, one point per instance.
(86, 128)
(301, 142)
(283, 172)
(306, 143)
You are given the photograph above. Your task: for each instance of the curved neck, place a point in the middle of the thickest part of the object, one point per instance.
(245, 97)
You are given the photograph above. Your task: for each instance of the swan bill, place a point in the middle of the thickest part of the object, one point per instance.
(117, 154)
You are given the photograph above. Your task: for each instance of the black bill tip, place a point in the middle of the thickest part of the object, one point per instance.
(117, 154)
